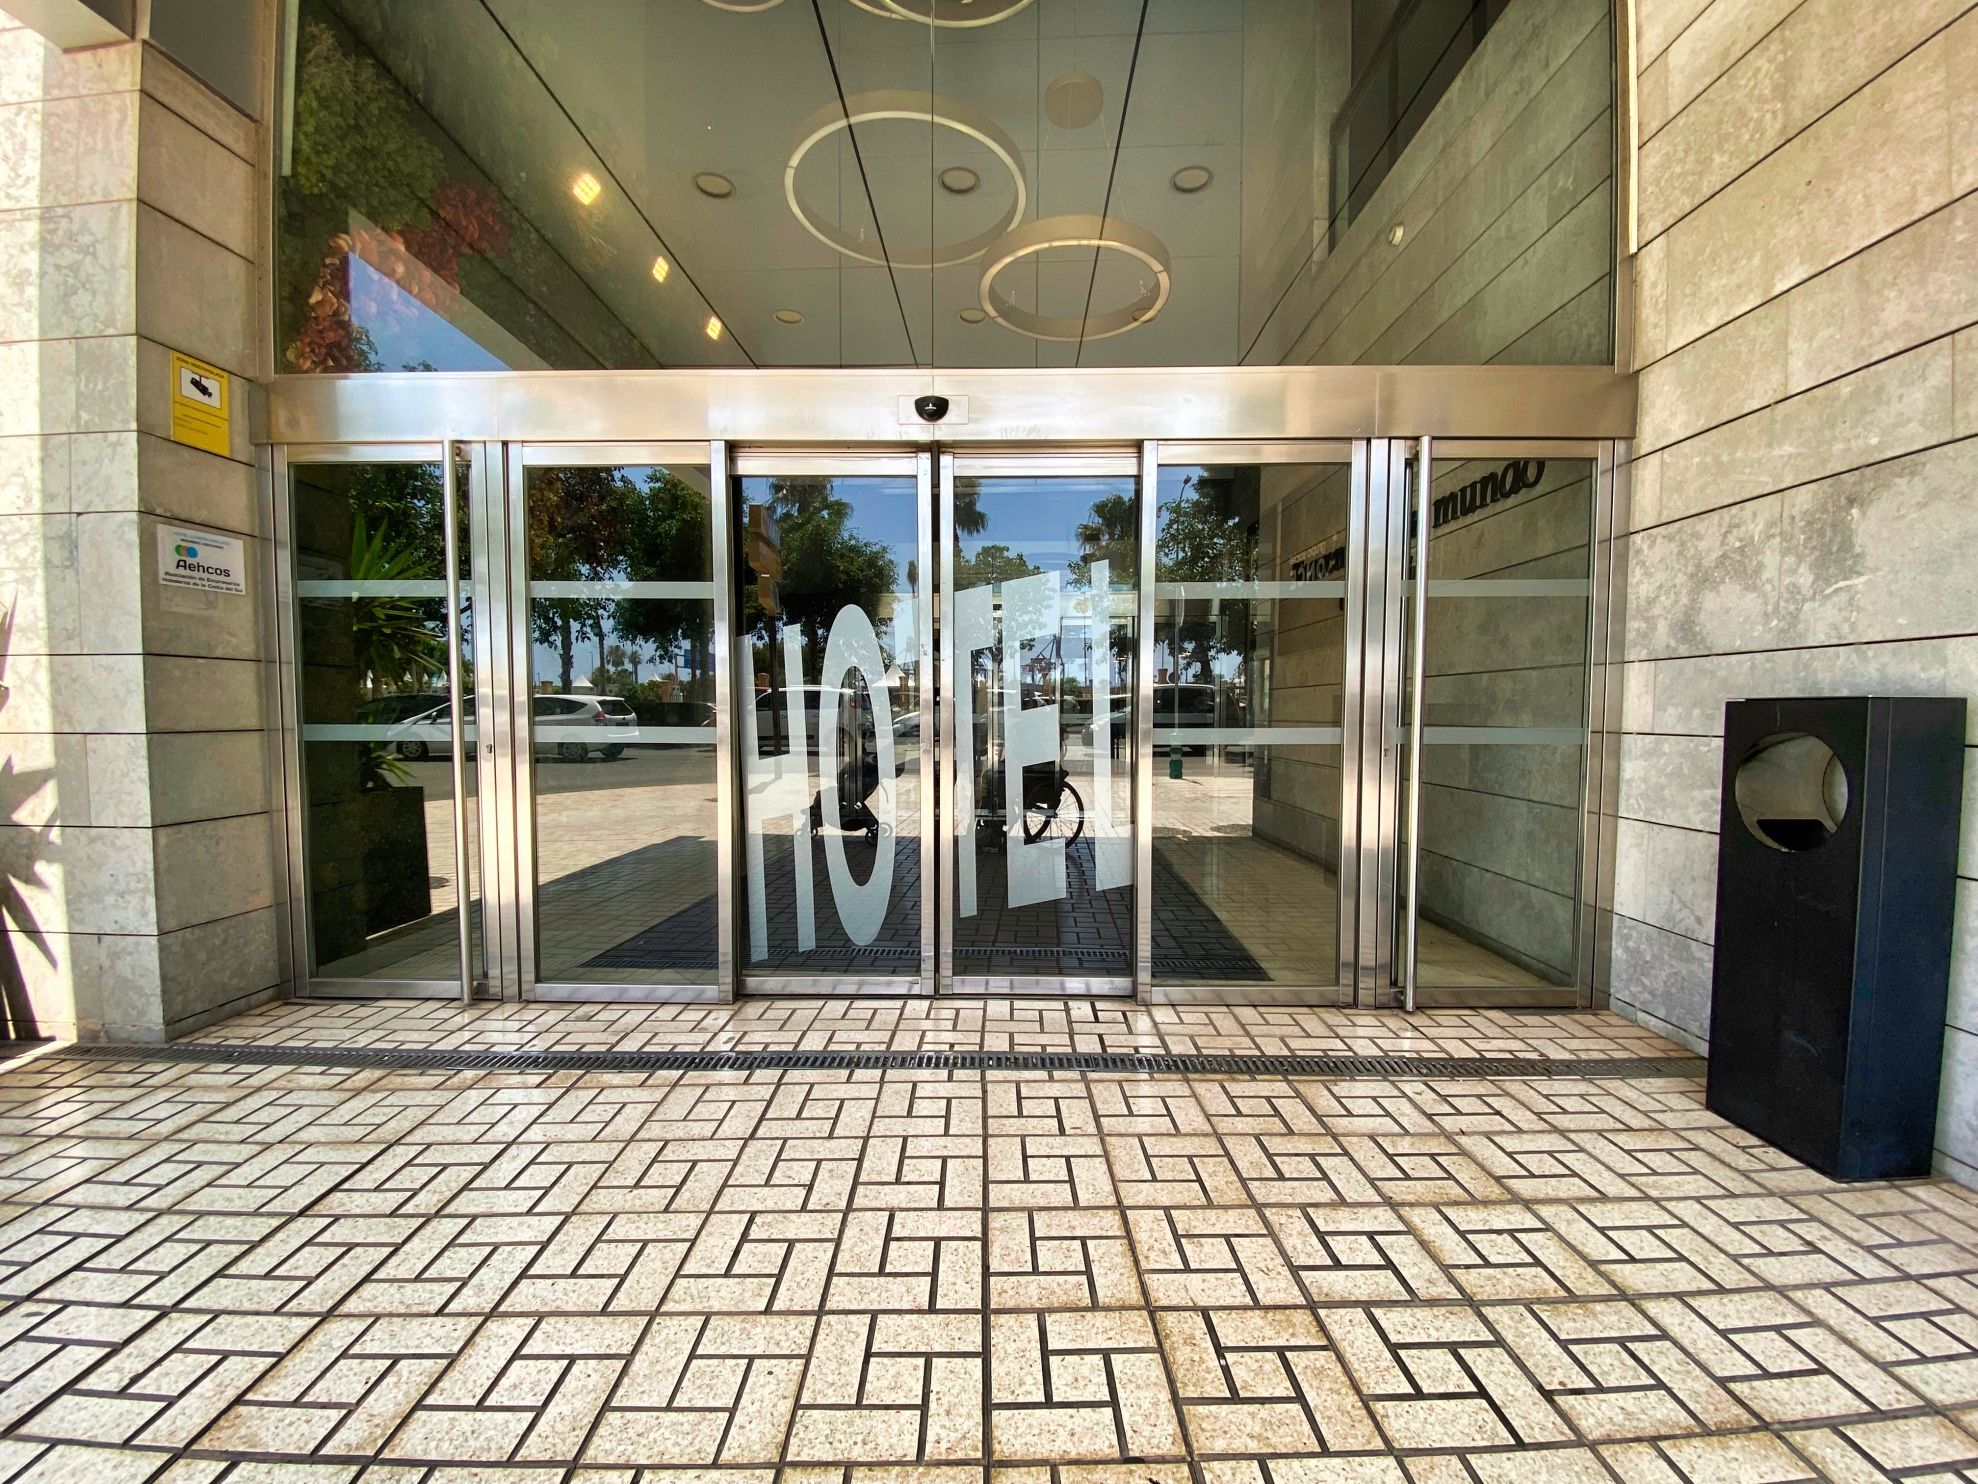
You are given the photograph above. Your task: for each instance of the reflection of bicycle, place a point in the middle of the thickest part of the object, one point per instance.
(1052, 804)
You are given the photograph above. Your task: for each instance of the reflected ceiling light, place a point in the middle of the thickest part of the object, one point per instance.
(911, 107)
(660, 268)
(952, 14)
(1079, 230)
(959, 180)
(1191, 178)
(789, 317)
(1074, 100)
(718, 187)
(972, 316)
(712, 329)
(586, 188)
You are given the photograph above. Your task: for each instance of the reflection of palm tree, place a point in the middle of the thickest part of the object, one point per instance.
(23, 869)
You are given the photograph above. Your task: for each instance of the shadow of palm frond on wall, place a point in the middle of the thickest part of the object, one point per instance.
(29, 848)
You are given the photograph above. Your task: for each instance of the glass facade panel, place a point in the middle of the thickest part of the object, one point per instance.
(1250, 660)
(831, 726)
(1042, 632)
(374, 705)
(622, 723)
(477, 184)
(1504, 722)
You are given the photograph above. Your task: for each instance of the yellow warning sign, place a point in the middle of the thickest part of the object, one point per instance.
(202, 403)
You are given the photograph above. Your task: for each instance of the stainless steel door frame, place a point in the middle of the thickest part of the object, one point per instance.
(1044, 461)
(513, 758)
(737, 979)
(1390, 977)
(285, 460)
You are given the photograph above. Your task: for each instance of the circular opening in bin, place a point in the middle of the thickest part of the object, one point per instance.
(1792, 791)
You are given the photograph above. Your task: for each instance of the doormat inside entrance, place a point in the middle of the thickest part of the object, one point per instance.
(1089, 932)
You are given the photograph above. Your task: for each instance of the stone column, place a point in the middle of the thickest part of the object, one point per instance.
(137, 870)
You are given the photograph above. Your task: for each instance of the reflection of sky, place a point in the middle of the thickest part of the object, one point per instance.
(1039, 518)
(405, 333)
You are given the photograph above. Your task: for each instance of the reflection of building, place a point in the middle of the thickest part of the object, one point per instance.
(1723, 361)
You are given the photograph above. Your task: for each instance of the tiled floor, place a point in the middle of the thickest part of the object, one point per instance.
(281, 1273)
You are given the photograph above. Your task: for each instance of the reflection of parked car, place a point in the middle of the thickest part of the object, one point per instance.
(1184, 706)
(429, 734)
(390, 710)
(555, 717)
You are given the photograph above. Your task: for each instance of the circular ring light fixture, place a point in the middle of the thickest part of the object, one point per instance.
(1107, 233)
(745, 6)
(954, 15)
(911, 107)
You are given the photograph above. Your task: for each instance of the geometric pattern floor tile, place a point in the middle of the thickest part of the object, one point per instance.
(841, 1276)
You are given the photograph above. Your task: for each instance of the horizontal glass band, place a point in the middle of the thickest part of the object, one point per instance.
(1506, 736)
(1504, 587)
(1249, 736)
(1257, 590)
(397, 731)
(367, 587)
(642, 736)
(609, 589)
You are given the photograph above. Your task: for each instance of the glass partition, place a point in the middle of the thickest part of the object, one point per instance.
(1041, 639)
(383, 890)
(622, 723)
(1250, 646)
(1503, 736)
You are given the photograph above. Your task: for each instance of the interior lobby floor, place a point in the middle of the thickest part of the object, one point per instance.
(311, 1273)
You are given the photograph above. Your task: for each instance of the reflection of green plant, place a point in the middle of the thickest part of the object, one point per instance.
(393, 646)
(378, 767)
(356, 138)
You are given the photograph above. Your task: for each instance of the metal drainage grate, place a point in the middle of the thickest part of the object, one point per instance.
(743, 1062)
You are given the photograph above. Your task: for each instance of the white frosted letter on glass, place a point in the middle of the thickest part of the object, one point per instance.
(1112, 849)
(780, 788)
(973, 633)
(853, 646)
(1030, 739)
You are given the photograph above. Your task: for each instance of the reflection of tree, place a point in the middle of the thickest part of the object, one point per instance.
(1208, 535)
(1111, 533)
(826, 564)
(577, 523)
(991, 564)
(667, 540)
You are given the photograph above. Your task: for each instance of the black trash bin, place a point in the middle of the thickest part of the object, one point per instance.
(1836, 879)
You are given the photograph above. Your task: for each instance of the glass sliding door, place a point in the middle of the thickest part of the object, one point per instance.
(1487, 891)
(832, 654)
(376, 813)
(615, 697)
(1252, 632)
(1040, 574)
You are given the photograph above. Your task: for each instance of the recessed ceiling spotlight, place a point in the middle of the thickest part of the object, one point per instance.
(1191, 178)
(719, 187)
(972, 316)
(660, 268)
(712, 329)
(789, 317)
(586, 188)
(1074, 100)
(1395, 234)
(959, 180)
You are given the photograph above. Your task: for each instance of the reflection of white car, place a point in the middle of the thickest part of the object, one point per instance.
(607, 724)
(574, 727)
(429, 734)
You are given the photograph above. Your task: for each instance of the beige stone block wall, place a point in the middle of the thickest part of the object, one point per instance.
(1802, 515)
(136, 838)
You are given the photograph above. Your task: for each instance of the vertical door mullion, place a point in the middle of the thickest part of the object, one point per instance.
(457, 760)
(948, 832)
(1143, 725)
(490, 655)
(1353, 814)
(1417, 640)
(518, 756)
(932, 869)
(727, 757)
